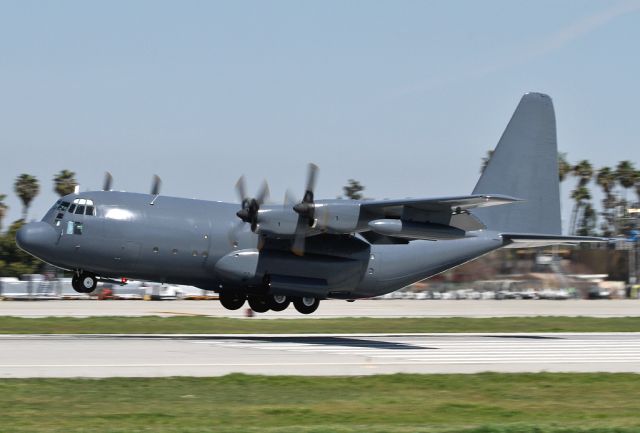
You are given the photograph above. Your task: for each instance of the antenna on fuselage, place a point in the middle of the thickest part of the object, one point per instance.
(155, 188)
(108, 180)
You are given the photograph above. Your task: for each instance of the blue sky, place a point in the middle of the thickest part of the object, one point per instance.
(405, 96)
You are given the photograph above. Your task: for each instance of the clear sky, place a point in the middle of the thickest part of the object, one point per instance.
(405, 96)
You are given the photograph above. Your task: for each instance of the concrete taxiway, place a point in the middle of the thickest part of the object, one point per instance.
(331, 308)
(345, 354)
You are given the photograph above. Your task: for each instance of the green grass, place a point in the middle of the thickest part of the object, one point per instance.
(219, 325)
(482, 403)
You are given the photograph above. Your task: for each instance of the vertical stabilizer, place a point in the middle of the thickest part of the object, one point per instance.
(525, 165)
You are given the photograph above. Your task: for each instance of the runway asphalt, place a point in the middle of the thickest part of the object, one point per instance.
(331, 308)
(345, 354)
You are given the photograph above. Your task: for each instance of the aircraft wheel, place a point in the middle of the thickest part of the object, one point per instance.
(278, 302)
(258, 303)
(306, 305)
(232, 300)
(84, 283)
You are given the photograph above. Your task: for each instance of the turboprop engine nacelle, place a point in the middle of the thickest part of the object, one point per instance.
(336, 218)
(413, 230)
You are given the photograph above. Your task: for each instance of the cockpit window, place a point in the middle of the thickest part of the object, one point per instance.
(63, 205)
(81, 206)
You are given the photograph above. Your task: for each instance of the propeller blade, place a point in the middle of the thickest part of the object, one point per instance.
(261, 241)
(312, 175)
(263, 193)
(108, 180)
(241, 190)
(234, 231)
(298, 243)
(290, 199)
(156, 184)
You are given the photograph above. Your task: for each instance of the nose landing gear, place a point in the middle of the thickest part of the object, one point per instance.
(84, 282)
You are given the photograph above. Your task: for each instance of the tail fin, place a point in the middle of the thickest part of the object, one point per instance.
(525, 165)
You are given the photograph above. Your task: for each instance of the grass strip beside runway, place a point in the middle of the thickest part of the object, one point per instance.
(481, 403)
(218, 325)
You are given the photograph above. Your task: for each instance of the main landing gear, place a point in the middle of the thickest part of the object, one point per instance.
(234, 300)
(84, 282)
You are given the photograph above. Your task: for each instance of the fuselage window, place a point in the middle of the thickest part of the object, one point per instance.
(69, 227)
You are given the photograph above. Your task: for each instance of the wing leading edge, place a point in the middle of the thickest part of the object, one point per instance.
(440, 204)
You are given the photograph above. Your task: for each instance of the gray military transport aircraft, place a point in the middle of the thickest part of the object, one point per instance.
(301, 253)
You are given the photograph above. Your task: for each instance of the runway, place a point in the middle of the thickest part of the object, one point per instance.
(345, 354)
(331, 308)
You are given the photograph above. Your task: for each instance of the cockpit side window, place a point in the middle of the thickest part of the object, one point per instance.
(72, 208)
(63, 205)
(74, 228)
(77, 228)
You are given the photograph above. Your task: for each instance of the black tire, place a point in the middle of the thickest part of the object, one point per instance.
(84, 283)
(88, 282)
(278, 302)
(232, 300)
(306, 305)
(258, 303)
(75, 283)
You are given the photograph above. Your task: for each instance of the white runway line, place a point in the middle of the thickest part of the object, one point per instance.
(346, 354)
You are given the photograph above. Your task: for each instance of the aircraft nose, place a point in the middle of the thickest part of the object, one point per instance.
(36, 238)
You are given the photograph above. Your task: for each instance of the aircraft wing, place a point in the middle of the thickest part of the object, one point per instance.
(395, 208)
(448, 211)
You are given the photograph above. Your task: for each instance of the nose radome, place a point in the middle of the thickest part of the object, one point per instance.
(36, 238)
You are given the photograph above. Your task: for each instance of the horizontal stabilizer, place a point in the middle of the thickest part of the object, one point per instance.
(532, 240)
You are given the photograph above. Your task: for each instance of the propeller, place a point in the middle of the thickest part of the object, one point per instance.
(108, 180)
(250, 206)
(156, 184)
(306, 211)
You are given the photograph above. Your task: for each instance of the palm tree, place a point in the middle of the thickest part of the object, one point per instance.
(564, 168)
(485, 161)
(606, 179)
(26, 187)
(584, 172)
(625, 175)
(64, 182)
(638, 185)
(581, 195)
(353, 190)
(3, 209)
